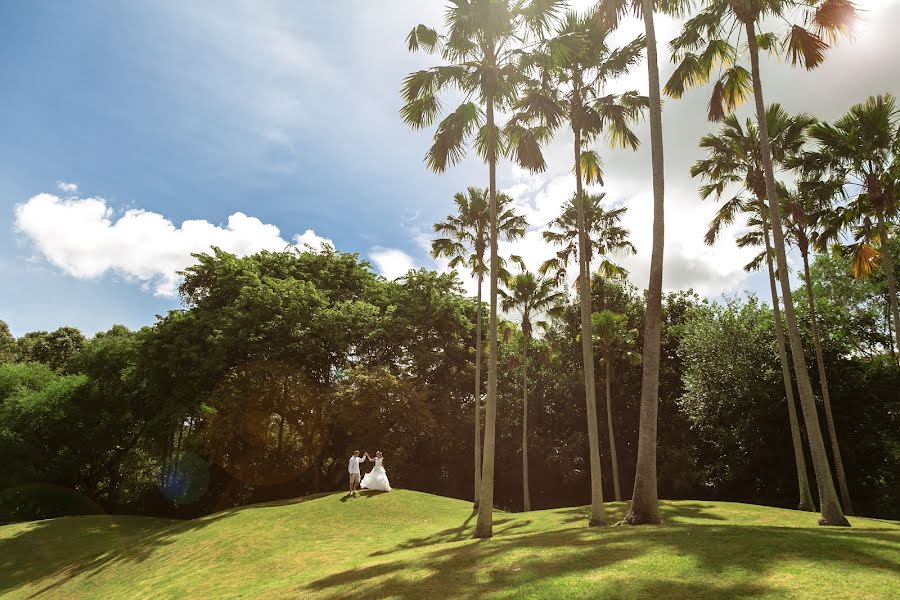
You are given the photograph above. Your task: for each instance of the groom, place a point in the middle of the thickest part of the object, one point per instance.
(353, 469)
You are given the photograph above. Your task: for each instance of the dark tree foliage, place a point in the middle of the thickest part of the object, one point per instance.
(279, 365)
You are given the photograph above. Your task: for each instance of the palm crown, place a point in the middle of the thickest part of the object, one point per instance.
(466, 233)
(606, 237)
(711, 42)
(860, 150)
(482, 43)
(566, 78)
(531, 295)
(733, 161)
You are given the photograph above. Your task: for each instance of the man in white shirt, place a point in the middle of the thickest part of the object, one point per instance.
(353, 469)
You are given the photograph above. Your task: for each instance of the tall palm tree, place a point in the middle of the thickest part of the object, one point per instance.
(803, 214)
(464, 243)
(615, 340)
(733, 161)
(862, 148)
(713, 38)
(644, 499)
(532, 296)
(481, 48)
(569, 74)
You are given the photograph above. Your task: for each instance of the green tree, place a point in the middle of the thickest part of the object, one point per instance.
(862, 149)
(733, 161)
(7, 343)
(531, 296)
(570, 72)
(482, 46)
(465, 242)
(712, 38)
(611, 334)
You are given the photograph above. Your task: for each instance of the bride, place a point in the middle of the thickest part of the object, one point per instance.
(377, 478)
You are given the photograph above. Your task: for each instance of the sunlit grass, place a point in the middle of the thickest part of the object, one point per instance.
(412, 545)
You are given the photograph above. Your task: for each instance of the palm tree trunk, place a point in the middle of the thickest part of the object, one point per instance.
(598, 516)
(828, 501)
(888, 266)
(525, 493)
(612, 438)
(644, 501)
(806, 501)
(484, 526)
(823, 383)
(478, 396)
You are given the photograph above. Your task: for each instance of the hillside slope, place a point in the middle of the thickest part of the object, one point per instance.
(412, 545)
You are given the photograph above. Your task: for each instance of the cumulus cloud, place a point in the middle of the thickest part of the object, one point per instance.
(65, 186)
(391, 263)
(85, 238)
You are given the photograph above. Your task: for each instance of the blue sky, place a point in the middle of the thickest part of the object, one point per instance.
(284, 112)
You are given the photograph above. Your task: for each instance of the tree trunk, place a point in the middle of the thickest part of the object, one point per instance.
(806, 501)
(484, 526)
(828, 501)
(612, 438)
(644, 502)
(526, 496)
(823, 383)
(888, 265)
(478, 396)
(598, 516)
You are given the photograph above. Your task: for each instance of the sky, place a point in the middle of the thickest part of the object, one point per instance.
(135, 134)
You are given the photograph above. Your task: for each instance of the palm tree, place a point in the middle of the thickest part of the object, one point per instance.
(733, 160)
(614, 339)
(712, 38)
(465, 243)
(570, 72)
(862, 149)
(804, 213)
(644, 499)
(606, 237)
(532, 296)
(481, 47)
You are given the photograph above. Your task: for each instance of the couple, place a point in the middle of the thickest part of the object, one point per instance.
(376, 479)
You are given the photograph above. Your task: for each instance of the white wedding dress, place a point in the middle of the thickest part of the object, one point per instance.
(377, 478)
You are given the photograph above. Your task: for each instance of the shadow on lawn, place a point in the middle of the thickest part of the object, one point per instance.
(730, 562)
(66, 547)
(668, 513)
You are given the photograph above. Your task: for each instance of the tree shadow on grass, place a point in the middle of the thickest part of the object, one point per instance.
(668, 512)
(58, 550)
(723, 562)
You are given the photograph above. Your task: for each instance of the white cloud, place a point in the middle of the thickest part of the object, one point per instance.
(65, 186)
(391, 263)
(86, 239)
(312, 240)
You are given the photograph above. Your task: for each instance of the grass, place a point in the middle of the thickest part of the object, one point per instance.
(406, 544)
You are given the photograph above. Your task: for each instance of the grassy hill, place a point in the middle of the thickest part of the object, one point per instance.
(406, 544)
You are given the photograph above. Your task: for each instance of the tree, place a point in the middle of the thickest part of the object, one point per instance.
(606, 238)
(481, 45)
(804, 214)
(7, 343)
(644, 499)
(614, 339)
(712, 38)
(862, 150)
(733, 160)
(569, 75)
(53, 349)
(465, 242)
(531, 296)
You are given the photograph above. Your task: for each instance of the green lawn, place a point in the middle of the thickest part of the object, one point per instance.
(405, 544)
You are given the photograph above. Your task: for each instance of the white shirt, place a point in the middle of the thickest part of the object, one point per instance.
(353, 467)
